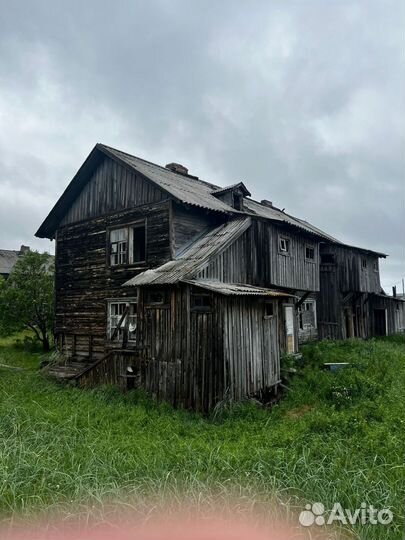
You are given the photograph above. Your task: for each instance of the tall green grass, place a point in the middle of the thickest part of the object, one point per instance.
(333, 438)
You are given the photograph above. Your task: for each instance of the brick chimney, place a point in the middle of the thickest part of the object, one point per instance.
(265, 202)
(24, 249)
(177, 168)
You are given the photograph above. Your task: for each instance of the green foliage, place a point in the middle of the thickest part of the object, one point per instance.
(27, 297)
(335, 437)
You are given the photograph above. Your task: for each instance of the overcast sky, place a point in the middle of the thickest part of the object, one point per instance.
(302, 100)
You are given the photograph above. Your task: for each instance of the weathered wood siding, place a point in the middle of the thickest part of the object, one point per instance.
(84, 279)
(110, 189)
(351, 276)
(188, 223)
(255, 258)
(251, 347)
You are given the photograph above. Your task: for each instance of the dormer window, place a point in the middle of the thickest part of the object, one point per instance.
(237, 200)
(232, 195)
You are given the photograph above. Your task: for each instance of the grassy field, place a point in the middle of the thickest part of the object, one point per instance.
(334, 438)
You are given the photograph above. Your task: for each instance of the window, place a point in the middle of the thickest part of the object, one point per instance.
(309, 253)
(200, 301)
(237, 200)
(118, 246)
(156, 297)
(284, 244)
(375, 266)
(128, 244)
(328, 258)
(122, 317)
(364, 263)
(307, 315)
(268, 309)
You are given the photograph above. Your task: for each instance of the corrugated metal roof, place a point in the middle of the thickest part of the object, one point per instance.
(186, 189)
(8, 258)
(195, 257)
(236, 289)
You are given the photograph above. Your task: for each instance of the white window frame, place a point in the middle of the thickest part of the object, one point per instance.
(122, 304)
(287, 242)
(126, 247)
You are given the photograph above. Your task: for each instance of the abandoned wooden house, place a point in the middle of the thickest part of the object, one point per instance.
(178, 286)
(351, 300)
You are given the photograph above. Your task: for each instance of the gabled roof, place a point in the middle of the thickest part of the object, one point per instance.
(8, 258)
(183, 188)
(240, 186)
(193, 259)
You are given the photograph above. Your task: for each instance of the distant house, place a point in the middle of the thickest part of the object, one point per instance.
(186, 289)
(8, 258)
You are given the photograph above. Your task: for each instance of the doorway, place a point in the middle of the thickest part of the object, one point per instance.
(380, 322)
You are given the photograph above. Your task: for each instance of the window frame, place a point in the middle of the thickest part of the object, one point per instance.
(150, 303)
(312, 248)
(273, 309)
(129, 228)
(133, 301)
(375, 266)
(201, 308)
(364, 264)
(287, 240)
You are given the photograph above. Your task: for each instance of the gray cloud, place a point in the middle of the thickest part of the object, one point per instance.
(301, 100)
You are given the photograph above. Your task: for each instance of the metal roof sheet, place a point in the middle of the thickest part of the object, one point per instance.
(8, 258)
(236, 289)
(187, 189)
(195, 257)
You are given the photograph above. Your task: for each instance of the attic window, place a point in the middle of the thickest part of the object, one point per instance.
(237, 200)
(284, 245)
(309, 253)
(364, 263)
(375, 266)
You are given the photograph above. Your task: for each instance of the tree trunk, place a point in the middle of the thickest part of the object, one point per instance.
(45, 343)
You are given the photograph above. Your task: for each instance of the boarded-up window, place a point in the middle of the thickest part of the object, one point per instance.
(122, 317)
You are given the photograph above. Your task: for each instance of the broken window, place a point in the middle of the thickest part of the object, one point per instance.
(118, 246)
(284, 244)
(309, 253)
(307, 315)
(268, 309)
(122, 317)
(156, 297)
(128, 244)
(237, 200)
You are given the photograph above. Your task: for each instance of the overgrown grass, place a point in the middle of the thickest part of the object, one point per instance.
(334, 438)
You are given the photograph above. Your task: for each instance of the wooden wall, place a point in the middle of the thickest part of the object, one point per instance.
(255, 258)
(193, 358)
(188, 223)
(112, 188)
(84, 279)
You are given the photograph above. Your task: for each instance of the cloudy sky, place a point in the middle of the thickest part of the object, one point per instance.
(302, 100)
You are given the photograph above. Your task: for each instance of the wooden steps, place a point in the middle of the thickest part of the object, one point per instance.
(68, 371)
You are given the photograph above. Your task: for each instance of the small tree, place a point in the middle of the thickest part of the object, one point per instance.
(27, 297)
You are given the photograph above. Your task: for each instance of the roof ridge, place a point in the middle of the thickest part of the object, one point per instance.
(189, 177)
